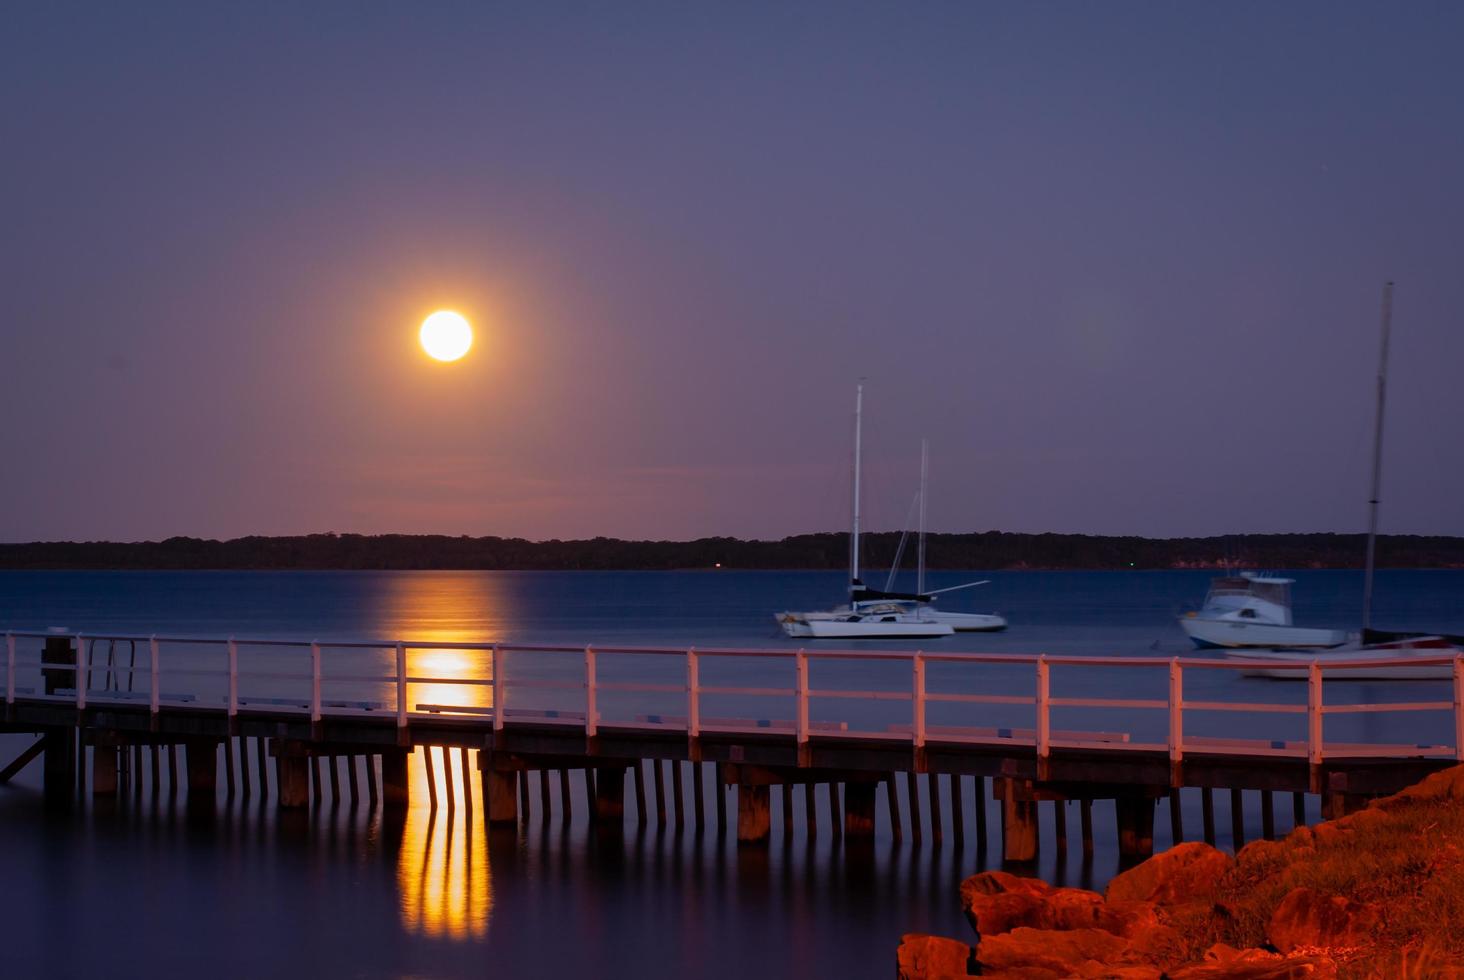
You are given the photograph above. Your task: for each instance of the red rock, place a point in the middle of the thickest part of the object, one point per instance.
(996, 902)
(1307, 918)
(1064, 952)
(922, 957)
(1222, 962)
(1185, 872)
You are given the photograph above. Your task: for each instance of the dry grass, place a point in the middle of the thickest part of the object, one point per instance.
(1411, 867)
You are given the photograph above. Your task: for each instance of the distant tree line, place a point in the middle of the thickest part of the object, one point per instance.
(984, 550)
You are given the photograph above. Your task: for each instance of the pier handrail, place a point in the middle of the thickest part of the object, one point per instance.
(1043, 737)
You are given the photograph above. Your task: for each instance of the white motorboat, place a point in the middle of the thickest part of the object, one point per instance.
(869, 614)
(1250, 610)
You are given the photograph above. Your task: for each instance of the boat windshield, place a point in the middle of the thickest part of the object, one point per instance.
(1244, 588)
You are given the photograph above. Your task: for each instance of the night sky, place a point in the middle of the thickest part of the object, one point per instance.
(1121, 263)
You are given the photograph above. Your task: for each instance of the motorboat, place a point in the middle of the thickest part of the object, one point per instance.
(1253, 611)
(868, 614)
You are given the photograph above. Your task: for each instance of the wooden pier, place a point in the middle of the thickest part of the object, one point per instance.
(525, 732)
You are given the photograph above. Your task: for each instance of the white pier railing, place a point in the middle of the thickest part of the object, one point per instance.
(505, 685)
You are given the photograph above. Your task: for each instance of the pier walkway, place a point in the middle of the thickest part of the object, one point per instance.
(1038, 728)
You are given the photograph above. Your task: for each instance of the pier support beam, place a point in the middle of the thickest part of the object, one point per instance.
(104, 767)
(754, 814)
(59, 765)
(1337, 804)
(502, 794)
(293, 774)
(1018, 822)
(859, 801)
(394, 778)
(1135, 828)
(609, 793)
(202, 759)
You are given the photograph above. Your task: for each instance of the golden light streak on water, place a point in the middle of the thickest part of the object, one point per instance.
(443, 875)
(443, 878)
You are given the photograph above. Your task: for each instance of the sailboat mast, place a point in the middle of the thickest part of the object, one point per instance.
(858, 436)
(920, 546)
(1377, 462)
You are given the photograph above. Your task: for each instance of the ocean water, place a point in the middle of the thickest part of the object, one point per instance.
(144, 886)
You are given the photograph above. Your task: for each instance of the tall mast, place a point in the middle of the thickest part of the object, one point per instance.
(858, 435)
(1377, 464)
(920, 546)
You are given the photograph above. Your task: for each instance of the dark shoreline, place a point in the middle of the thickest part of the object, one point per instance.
(992, 550)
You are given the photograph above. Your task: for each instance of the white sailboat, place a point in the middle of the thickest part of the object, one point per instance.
(869, 614)
(1374, 647)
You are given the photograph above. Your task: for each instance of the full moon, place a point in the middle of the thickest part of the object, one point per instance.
(446, 335)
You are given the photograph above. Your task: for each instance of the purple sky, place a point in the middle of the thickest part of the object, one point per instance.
(1120, 263)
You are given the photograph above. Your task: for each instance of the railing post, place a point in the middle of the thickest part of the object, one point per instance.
(499, 690)
(1176, 711)
(233, 678)
(153, 697)
(1044, 721)
(315, 681)
(1459, 708)
(81, 678)
(1314, 713)
(10, 669)
(589, 691)
(693, 692)
(401, 684)
(918, 697)
(801, 684)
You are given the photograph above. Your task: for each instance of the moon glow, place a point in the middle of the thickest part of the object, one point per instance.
(446, 335)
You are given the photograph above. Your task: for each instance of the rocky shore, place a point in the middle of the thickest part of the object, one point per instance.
(1378, 893)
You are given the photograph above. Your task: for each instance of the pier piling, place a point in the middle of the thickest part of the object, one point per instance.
(754, 820)
(859, 810)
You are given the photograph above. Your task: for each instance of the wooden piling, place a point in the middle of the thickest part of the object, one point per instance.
(354, 787)
(1298, 809)
(1135, 828)
(521, 778)
(544, 805)
(958, 818)
(371, 794)
(787, 808)
(859, 810)
(836, 820)
(719, 781)
(1059, 820)
(892, 803)
(394, 779)
(173, 770)
(426, 761)
(467, 781)
(501, 794)
(104, 768)
(640, 794)
(1237, 819)
(136, 775)
(754, 821)
(566, 803)
(698, 804)
(810, 809)
(331, 765)
(981, 835)
(912, 797)
(932, 783)
(1018, 826)
(259, 751)
(590, 795)
(1268, 816)
(291, 765)
(609, 798)
(1176, 816)
(229, 767)
(157, 777)
(678, 797)
(244, 780)
(1085, 815)
(1207, 808)
(656, 768)
(202, 759)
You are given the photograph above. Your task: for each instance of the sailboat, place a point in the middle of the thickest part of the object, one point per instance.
(1370, 645)
(925, 609)
(869, 614)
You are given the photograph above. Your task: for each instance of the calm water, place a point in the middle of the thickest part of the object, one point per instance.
(140, 887)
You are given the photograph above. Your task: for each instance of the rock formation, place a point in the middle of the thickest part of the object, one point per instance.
(1377, 893)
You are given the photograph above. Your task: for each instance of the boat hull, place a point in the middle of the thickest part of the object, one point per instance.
(1233, 635)
(830, 628)
(1295, 666)
(967, 622)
